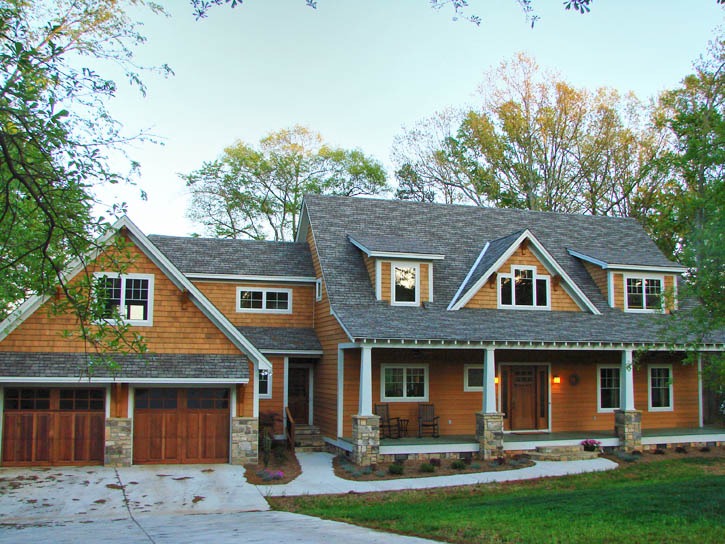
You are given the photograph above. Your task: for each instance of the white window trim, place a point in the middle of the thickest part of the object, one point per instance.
(511, 276)
(318, 289)
(601, 410)
(150, 277)
(470, 388)
(651, 408)
(426, 377)
(660, 277)
(268, 394)
(403, 264)
(263, 309)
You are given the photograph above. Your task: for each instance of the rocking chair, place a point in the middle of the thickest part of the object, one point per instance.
(389, 426)
(427, 420)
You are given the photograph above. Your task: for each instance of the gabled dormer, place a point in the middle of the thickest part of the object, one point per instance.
(400, 270)
(632, 283)
(516, 272)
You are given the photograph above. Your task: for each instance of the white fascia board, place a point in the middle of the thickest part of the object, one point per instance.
(293, 352)
(81, 381)
(250, 277)
(674, 268)
(565, 345)
(201, 302)
(344, 328)
(303, 224)
(495, 266)
(395, 254)
(468, 276)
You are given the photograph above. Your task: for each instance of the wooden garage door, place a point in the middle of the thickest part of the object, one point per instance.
(181, 426)
(53, 426)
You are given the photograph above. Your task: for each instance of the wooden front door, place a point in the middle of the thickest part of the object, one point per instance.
(298, 394)
(525, 403)
(181, 425)
(53, 426)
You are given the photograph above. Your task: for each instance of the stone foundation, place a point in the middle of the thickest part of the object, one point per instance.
(245, 440)
(489, 432)
(118, 451)
(365, 440)
(628, 427)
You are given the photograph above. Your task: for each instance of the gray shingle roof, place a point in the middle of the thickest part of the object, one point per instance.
(391, 244)
(281, 339)
(459, 233)
(626, 255)
(237, 257)
(146, 366)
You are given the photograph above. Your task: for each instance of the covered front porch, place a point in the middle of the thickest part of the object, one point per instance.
(497, 399)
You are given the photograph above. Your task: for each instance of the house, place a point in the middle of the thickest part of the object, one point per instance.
(520, 328)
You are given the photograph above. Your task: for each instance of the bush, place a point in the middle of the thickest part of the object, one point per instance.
(435, 462)
(427, 467)
(476, 466)
(458, 465)
(367, 470)
(380, 473)
(396, 469)
(681, 449)
(704, 449)
(626, 457)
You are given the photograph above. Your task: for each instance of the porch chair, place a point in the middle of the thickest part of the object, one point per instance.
(389, 426)
(427, 420)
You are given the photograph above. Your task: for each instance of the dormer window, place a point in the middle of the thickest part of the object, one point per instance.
(406, 284)
(128, 297)
(644, 294)
(523, 288)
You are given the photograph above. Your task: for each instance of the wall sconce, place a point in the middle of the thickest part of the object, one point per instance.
(557, 379)
(495, 380)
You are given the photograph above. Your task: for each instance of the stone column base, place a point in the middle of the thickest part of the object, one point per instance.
(365, 440)
(118, 450)
(244, 440)
(489, 432)
(628, 426)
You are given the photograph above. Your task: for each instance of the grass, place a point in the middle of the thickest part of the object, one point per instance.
(675, 500)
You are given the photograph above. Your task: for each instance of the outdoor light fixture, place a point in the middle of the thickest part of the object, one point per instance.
(495, 380)
(557, 379)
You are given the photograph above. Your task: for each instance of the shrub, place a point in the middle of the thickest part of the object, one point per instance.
(626, 457)
(659, 451)
(681, 449)
(458, 465)
(396, 469)
(704, 449)
(427, 467)
(476, 466)
(367, 470)
(435, 462)
(380, 473)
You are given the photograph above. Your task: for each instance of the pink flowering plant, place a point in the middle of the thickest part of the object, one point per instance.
(591, 444)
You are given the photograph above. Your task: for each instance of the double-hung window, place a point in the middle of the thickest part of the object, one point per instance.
(264, 384)
(523, 288)
(128, 297)
(404, 383)
(644, 294)
(473, 378)
(405, 284)
(609, 383)
(660, 388)
(264, 300)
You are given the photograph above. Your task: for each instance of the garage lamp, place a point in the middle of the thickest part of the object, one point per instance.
(557, 379)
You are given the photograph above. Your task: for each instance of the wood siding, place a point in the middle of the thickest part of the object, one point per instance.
(370, 267)
(599, 275)
(487, 295)
(330, 334)
(224, 296)
(274, 407)
(387, 280)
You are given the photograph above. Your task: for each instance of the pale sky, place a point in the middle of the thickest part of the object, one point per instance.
(358, 71)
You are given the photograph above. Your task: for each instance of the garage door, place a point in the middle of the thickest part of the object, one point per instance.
(53, 426)
(181, 425)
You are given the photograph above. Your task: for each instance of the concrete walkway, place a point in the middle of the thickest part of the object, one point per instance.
(318, 478)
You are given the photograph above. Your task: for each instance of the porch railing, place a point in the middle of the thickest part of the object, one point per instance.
(290, 430)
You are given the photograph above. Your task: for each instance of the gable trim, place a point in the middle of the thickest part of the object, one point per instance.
(250, 277)
(468, 276)
(548, 261)
(674, 269)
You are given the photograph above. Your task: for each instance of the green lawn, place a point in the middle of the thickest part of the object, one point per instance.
(674, 500)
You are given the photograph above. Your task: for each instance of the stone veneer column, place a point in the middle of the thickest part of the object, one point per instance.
(489, 432)
(365, 439)
(118, 451)
(245, 440)
(628, 426)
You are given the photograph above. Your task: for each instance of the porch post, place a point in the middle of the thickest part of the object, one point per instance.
(365, 425)
(628, 420)
(489, 422)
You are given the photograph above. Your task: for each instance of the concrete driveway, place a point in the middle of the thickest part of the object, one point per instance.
(156, 504)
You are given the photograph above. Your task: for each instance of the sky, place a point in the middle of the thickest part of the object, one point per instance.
(358, 71)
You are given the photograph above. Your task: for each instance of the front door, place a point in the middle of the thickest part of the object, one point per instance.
(525, 401)
(298, 393)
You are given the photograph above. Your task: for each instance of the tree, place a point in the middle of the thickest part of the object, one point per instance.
(690, 220)
(536, 143)
(257, 193)
(55, 136)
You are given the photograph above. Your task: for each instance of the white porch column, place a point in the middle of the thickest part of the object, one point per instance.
(365, 405)
(626, 389)
(489, 383)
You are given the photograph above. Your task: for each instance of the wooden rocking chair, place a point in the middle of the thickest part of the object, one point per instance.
(427, 420)
(389, 426)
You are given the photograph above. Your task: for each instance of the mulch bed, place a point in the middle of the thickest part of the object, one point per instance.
(664, 454)
(412, 469)
(278, 471)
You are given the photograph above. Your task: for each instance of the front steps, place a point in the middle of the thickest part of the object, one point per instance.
(562, 453)
(308, 438)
